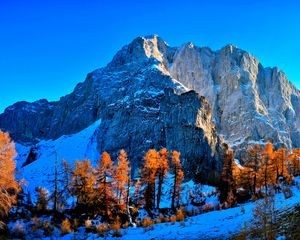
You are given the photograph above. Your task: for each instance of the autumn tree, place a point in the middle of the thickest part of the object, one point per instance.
(178, 179)
(105, 181)
(9, 186)
(61, 184)
(253, 161)
(268, 168)
(42, 199)
(162, 172)
(280, 161)
(228, 185)
(148, 173)
(83, 183)
(294, 161)
(122, 178)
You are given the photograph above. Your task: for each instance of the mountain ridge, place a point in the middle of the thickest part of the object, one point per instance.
(131, 93)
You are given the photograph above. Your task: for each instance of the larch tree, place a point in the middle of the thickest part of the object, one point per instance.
(280, 161)
(162, 172)
(83, 184)
(105, 181)
(8, 185)
(268, 168)
(42, 202)
(178, 179)
(228, 184)
(122, 179)
(253, 161)
(294, 161)
(148, 173)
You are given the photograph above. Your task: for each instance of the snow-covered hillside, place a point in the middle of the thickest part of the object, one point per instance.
(78, 146)
(219, 224)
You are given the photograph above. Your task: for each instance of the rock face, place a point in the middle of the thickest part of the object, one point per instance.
(144, 100)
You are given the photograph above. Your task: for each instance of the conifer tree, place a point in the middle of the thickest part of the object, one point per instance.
(254, 161)
(148, 174)
(280, 161)
(268, 168)
(122, 178)
(83, 183)
(178, 179)
(228, 185)
(42, 199)
(162, 172)
(105, 181)
(8, 185)
(294, 161)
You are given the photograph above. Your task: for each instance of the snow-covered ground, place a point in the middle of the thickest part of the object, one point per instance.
(212, 225)
(82, 145)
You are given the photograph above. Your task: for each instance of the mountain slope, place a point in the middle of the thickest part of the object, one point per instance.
(144, 100)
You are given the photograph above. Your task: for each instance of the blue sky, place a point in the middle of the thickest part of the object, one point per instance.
(47, 47)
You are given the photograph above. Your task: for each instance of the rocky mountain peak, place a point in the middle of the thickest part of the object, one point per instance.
(245, 103)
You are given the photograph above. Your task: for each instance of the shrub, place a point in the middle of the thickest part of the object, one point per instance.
(75, 223)
(243, 209)
(173, 219)
(48, 228)
(65, 227)
(147, 223)
(287, 192)
(88, 223)
(102, 228)
(179, 215)
(18, 230)
(116, 229)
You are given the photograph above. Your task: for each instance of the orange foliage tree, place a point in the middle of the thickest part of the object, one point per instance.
(83, 184)
(228, 183)
(280, 161)
(162, 172)
(148, 174)
(105, 181)
(294, 162)
(178, 178)
(268, 167)
(9, 186)
(122, 178)
(254, 161)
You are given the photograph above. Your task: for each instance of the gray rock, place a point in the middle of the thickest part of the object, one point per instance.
(144, 100)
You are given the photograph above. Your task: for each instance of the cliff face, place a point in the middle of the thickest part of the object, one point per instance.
(144, 100)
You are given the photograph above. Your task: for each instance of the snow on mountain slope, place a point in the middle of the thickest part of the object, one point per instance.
(82, 145)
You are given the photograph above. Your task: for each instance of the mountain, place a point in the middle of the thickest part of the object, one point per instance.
(150, 96)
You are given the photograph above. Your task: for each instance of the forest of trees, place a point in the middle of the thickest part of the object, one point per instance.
(107, 189)
(261, 174)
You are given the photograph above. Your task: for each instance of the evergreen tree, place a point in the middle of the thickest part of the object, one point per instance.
(178, 179)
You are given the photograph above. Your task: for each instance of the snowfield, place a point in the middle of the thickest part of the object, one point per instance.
(212, 225)
(79, 146)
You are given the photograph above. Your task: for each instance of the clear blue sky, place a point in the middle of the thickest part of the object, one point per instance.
(47, 47)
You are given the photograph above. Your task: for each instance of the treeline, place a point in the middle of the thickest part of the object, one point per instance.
(262, 172)
(106, 188)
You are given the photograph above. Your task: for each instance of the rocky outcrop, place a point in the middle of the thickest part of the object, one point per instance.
(144, 101)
